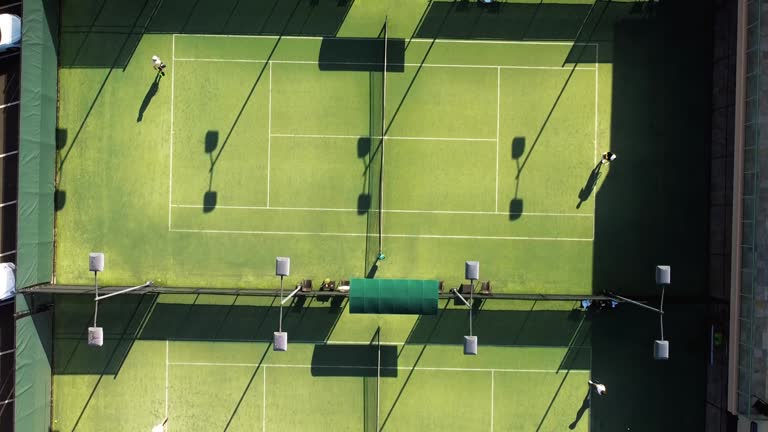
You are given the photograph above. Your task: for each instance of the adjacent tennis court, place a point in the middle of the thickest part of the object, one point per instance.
(206, 363)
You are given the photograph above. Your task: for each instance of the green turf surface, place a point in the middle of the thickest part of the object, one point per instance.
(208, 361)
(269, 154)
(560, 82)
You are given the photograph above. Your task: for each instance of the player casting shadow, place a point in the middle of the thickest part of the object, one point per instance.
(151, 92)
(580, 413)
(589, 186)
(210, 196)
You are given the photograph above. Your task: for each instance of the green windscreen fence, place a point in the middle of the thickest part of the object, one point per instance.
(393, 296)
(34, 265)
(34, 348)
(37, 142)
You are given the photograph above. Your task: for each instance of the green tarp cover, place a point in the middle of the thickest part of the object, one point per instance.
(393, 296)
(37, 142)
(33, 367)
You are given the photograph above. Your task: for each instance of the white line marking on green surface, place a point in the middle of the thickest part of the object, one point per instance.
(269, 133)
(597, 112)
(438, 236)
(443, 65)
(469, 212)
(492, 373)
(425, 40)
(166, 376)
(498, 114)
(170, 162)
(378, 137)
(264, 401)
(438, 369)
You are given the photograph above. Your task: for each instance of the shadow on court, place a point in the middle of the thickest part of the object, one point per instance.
(129, 318)
(151, 92)
(539, 21)
(652, 209)
(354, 360)
(524, 328)
(103, 34)
(210, 197)
(589, 186)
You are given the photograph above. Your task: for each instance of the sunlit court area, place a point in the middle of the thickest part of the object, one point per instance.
(385, 215)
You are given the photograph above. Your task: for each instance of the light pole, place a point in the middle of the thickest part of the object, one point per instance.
(661, 347)
(663, 276)
(282, 269)
(471, 272)
(96, 265)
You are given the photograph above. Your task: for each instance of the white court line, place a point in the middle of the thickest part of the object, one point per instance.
(498, 115)
(377, 137)
(426, 40)
(315, 62)
(264, 401)
(367, 343)
(166, 377)
(303, 366)
(170, 165)
(597, 114)
(456, 237)
(269, 128)
(492, 373)
(385, 210)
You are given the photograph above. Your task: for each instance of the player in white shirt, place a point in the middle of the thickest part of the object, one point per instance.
(158, 65)
(599, 388)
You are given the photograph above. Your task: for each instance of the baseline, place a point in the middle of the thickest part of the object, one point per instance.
(465, 237)
(417, 368)
(314, 62)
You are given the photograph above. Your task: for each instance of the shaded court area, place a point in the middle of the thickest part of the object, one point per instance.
(206, 362)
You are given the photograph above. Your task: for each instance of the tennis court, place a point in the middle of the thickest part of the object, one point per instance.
(206, 363)
(484, 149)
(310, 129)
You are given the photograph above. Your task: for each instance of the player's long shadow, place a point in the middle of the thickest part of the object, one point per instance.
(151, 92)
(589, 186)
(61, 159)
(580, 413)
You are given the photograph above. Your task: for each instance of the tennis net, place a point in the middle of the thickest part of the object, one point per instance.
(375, 163)
(371, 385)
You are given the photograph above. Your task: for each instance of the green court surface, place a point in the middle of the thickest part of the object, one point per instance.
(206, 363)
(267, 136)
(254, 146)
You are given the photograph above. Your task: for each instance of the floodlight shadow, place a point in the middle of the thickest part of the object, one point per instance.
(515, 209)
(209, 201)
(211, 141)
(518, 147)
